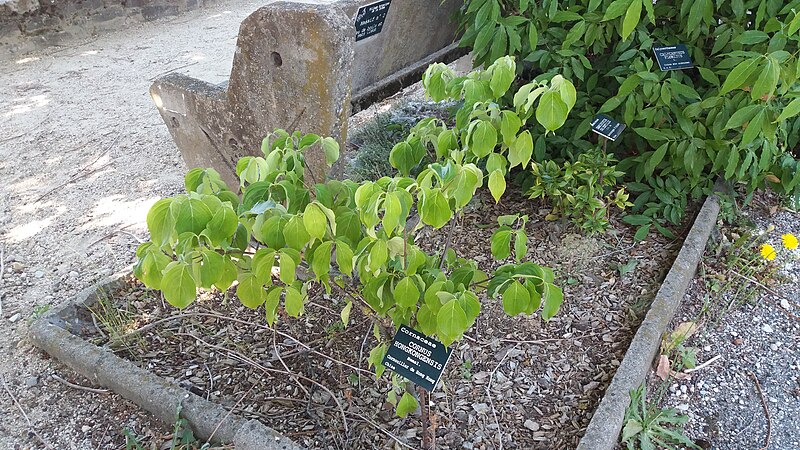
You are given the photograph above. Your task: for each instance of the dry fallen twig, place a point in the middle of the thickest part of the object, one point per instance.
(24, 414)
(2, 272)
(489, 394)
(78, 386)
(81, 173)
(769, 291)
(766, 409)
(704, 365)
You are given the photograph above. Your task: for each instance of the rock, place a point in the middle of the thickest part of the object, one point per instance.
(31, 382)
(73, 274)
(737, 341)
(38, 274)
(14, 318)
(531, 425)
(785, 304)
(17, 266)
(767, 328)
(481, 408)
(773, 347)
(86, 428)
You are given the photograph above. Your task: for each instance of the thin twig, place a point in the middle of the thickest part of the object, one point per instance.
(78, 386)
(447, 242)
(489, 394)
(704, 365)
(766, 409)
(210, 382)
(246, 360)
(238, 402)
(769, 291)
(614, 252)
(120, 231)
(542, 341)
(278, 355)
(82, 173)
(25, 415)
(377, 427)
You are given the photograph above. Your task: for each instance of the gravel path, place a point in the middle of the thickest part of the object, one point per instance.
(757, 340)
(83, 155)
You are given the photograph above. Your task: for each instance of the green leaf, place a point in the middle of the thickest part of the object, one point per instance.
(642, 232)
(178, 285)
(553, 297)
(314, 221)
(378, 255)
(651, 134)
(655, 159)
(515, 299)
(211, 265)
(497, 184)
(295, 233)
(743, 116)
(375, 359)
(406, 293)
(791, 110)
(739, 75)
(160, 222)
(616, 9)
(520, 245)
(331, 149)
(632, 17)
(551, 112)
(193, 216)
(345, 314)
(250, 291)
(222, 225)
(273, 299)
(150, 267)
(451, 322)
(393, 212)
(321, 263)
(521, 150)
(435, 210)
(510, 124)
(483, 138)
(229, 274)
(503, 72)
(344, 257)
(501, 243)
(293, 302)
(407, 404)
(288, 268)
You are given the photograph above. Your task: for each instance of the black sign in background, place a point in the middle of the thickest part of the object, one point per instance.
(417, 357)
(370, 19)
(607, 127)
(673, 57)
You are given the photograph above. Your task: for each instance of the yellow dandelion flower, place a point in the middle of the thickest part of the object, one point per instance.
(789, 241)
(768, 252)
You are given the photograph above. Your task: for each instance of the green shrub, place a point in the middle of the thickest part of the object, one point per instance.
(735, 115)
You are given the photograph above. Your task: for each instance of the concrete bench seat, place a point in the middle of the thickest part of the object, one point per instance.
(298, 66)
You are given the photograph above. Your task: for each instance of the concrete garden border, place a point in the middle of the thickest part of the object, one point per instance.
(54, 334)
(607, 421)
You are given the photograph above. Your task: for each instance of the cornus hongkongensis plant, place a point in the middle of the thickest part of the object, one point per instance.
(282, 237)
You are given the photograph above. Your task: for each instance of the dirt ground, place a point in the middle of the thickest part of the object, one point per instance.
(83, 155)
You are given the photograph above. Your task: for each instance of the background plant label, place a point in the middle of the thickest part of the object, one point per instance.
(607, 127)
(417, 357)
(673, 57)
(370, 19)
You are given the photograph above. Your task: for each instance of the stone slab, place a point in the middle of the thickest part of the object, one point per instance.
(54, 333)
(297, 67)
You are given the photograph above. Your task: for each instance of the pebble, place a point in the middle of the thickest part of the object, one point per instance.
(73, 274)
(38, 274)
(773, 347)
(86, 428)
(785, 304)
(17, 266)
(14, 318)
(767, 328)
(481, 408)
(531, 425)
(31, 382)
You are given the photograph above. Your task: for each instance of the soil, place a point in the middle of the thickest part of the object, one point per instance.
(533, 383)
(751, 341)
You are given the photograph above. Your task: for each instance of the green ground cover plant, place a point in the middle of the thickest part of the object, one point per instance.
(734, 115)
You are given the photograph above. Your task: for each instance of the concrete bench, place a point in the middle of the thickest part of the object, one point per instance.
(299, 66)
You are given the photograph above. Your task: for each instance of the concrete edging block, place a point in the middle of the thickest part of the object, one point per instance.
(607, 421)
(157, 395)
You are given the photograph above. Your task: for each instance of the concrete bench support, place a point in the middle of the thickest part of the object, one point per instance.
(298, 67)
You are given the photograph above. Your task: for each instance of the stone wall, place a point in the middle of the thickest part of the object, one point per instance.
(27, 25)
